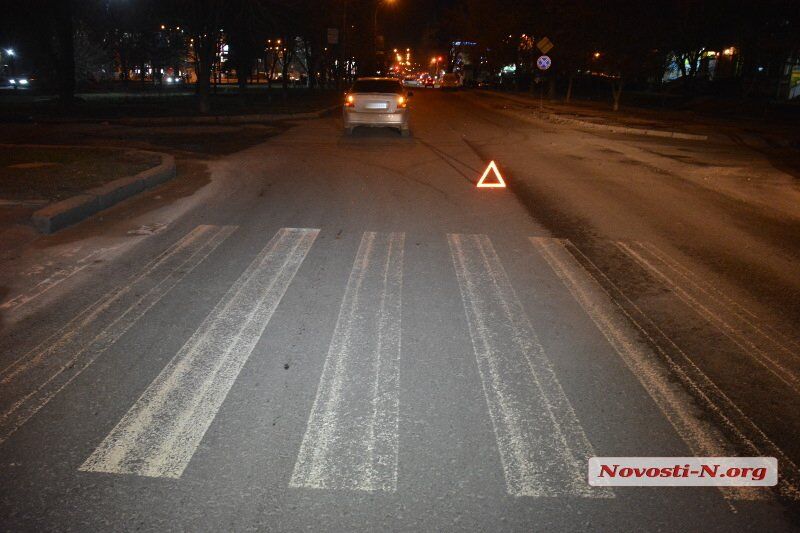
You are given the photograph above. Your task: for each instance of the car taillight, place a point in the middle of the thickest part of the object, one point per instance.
(349, 101)
(401, 101)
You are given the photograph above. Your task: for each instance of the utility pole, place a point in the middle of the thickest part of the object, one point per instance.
(343, 70)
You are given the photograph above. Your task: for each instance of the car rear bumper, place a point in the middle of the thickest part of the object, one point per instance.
(360, 118)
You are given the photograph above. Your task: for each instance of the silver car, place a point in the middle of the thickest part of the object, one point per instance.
(377, 102)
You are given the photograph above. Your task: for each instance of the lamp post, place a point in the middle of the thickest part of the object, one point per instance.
(435, 60)
(11, 61)
(343, 70)
(375, 28)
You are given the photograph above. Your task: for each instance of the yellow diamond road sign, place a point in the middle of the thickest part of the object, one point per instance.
(544, 45)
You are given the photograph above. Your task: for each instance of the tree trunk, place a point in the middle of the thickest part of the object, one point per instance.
(66, 52)
(244, 68)
(204, 53)
(287, 58)
(569, 88)
(616, 91)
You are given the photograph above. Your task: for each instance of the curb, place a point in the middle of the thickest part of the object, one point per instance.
(561, 119)
(76, 208)
(224, 119)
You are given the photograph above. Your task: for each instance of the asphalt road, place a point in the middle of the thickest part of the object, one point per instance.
(344, 333)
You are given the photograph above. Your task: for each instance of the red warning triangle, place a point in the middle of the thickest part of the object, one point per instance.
(495, 181)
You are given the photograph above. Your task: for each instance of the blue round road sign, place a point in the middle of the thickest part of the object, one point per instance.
(543, 62)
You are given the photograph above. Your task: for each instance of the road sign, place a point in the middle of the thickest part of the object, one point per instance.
(544, 45)
(333, 35)
(499, 181)
(543, 62)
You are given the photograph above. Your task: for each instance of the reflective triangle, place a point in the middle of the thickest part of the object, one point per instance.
(495, 181)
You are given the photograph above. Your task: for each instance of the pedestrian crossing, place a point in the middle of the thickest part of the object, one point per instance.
(160, 433)
(351, 439)
(542, 446)
(30, 382)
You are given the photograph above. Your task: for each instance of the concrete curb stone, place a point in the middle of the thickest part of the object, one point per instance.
(61, 214)
(224, 119)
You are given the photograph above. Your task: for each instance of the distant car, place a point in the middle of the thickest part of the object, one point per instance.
(15, 82)
(430, 82)
(412, 82)
(450, 80)
(376, 102)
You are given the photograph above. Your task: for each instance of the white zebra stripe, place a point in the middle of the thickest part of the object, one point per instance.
(30, 382)
(699, 434)
(543, 448)
(160, 433)
(351, 440)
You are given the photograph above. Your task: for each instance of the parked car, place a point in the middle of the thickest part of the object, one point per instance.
(450, 80)
(377, 102)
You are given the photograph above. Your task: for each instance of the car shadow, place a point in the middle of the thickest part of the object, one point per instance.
(361, 132)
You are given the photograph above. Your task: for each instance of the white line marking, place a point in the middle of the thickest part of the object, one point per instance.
(53, 280)
(160, 433)
(31, 381)
(543, 448)
(746, 432)
(702, 437)
(744, 342)
(721, 299)
(351, 440)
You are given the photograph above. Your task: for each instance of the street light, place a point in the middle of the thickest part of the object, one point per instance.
(10, 52)
(375, 27)
(435, 60)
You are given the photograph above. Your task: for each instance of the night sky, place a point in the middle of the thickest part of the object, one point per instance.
(405, 21)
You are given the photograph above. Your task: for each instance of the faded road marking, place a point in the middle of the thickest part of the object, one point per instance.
(31, 381)
(351, 440)
(746, 319)
(543, 448)
(746, 341)
(160, 433)
(54, 280)
(700, 435)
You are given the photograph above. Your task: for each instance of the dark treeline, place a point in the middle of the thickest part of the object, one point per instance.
(65, 42)
(69, 41)
(631, 40)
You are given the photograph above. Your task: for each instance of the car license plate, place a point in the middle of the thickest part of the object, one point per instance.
(377, 105)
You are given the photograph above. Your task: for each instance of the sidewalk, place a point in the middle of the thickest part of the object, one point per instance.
(755, 133)
(167, 108)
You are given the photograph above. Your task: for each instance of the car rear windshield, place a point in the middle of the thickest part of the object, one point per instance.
(377, 86)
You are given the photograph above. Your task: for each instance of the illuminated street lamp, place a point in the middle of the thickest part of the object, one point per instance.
(435, 60)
